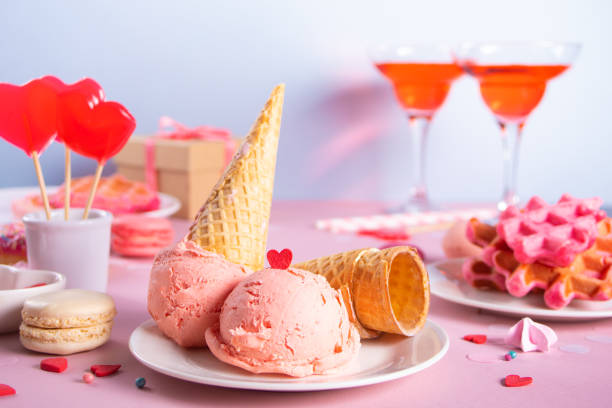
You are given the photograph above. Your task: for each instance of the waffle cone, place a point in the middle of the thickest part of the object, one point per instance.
(233, 221)
(389, 288)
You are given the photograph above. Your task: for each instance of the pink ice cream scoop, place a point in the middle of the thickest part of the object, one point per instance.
(187, 288)
(286, 321)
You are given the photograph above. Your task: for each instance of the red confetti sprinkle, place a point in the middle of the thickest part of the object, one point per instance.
(386, 234)
(280, 260)
(36, 285)
(55, 364)
(102, 370)
(476, 338)
(6, 390)
(517, 381)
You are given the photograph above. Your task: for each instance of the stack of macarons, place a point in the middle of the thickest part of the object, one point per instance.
(140, 236)
(67, 321)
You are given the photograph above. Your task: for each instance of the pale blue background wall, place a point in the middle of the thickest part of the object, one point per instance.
(215, 62)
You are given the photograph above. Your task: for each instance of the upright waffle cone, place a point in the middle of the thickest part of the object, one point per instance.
(389, 287)
(233, 221)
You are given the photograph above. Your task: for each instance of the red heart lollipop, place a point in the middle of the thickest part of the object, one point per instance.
(92, 127)
(87, 87)
(28, 114)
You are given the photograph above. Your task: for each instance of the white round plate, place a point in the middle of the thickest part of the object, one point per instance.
(446, 282)
(386, 358)
(168, 205)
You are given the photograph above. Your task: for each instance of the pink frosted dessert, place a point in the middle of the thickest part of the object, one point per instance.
(187, 288)
(551, 234)
(12, 243)
(115, 194)
(285, 321)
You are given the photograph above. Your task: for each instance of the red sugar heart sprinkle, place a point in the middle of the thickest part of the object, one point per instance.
(55, 364)
(6, 390)
(280, 260)
(102, 370)
(36, 285)
(476, 338)
(517, 381)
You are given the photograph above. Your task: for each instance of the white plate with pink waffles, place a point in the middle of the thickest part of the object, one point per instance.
(446, 282)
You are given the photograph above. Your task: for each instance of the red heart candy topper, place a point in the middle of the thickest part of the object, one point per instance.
(91, 126)
(28, 114)
(280, 260)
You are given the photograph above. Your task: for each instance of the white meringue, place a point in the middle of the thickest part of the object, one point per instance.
(531, 336)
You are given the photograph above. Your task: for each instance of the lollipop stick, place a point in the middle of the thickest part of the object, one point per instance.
(92, 193)
(67, 183)
(41, 183)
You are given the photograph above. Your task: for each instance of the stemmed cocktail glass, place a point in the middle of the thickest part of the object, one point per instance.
(421, 76)
(513, 78)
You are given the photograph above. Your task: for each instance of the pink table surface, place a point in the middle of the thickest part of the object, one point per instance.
(560, 378)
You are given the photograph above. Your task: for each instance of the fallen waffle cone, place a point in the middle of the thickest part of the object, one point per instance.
(389, 287)
(233, 222)
(364, 333)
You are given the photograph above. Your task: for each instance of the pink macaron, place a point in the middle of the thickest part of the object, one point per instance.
(140, 236)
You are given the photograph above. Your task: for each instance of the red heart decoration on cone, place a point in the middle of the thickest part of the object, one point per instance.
(517, 381)
(280, 260)
(28, 113)
(92, 127)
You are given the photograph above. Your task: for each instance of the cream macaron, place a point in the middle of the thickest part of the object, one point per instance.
(67, 321)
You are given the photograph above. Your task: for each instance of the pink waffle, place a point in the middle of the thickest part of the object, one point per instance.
(588, 277)
(551, 234)
(115, 194)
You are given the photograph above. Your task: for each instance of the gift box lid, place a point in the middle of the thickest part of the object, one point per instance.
(186, 155)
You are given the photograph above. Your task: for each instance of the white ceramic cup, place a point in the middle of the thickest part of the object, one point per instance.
(79, 249)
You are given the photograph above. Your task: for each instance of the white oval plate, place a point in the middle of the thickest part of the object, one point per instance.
(168, 206)
(384, 359)
(446, 282)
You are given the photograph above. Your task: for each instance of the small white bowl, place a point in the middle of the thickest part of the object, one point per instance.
(14, 290)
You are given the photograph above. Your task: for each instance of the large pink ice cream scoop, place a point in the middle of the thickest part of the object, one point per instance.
(286, 321)
(187, 288)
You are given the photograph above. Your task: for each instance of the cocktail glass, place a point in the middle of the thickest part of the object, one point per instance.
(513, 78)
(421, 76)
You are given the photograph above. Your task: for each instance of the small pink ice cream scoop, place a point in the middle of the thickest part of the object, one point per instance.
(286, 321)
(187, 288)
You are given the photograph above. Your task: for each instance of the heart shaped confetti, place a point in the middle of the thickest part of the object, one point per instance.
(92, 127)
(280, 260)
(102, 370)
(476, 338)
(6, 390)
(28, 114)
(54, 364)
(517, 381)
